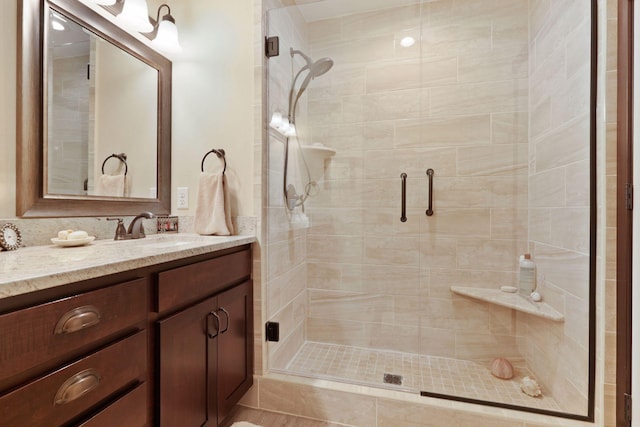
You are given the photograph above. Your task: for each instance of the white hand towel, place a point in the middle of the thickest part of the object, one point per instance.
(212, 210)
(110, 185)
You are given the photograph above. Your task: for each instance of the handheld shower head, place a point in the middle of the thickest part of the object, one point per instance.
(315, 69)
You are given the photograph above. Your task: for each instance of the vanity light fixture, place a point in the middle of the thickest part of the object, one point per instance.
(57, 23)
(135, 16)
(165, 33)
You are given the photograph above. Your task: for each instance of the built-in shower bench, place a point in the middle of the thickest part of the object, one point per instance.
(510, 300)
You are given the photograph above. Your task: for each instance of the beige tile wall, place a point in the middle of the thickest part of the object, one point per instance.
(457, 103)
(466, 104)
(608, 306)
(559, 215)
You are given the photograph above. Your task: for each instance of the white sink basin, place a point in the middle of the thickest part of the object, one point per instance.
(164, 241)
(175, 241)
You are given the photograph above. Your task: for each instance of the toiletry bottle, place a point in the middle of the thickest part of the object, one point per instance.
(527, 276)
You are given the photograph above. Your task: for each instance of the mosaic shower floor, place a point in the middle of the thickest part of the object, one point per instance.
(440, 375)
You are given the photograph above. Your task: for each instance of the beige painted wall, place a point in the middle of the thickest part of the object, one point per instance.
(212, 98)
(8, 29)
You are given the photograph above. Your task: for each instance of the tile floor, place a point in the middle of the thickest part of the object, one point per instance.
(419, 373)
(271, 419)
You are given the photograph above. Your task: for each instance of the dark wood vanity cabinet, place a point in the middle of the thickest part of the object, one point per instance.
(169, 345)
(64, 361)
(205, 362)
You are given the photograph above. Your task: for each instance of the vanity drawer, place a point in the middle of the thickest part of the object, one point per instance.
(47, 334)
(72, 390)
(130, 411)
(191, 283)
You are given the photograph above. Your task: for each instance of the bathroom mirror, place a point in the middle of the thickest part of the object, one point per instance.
(88, 92)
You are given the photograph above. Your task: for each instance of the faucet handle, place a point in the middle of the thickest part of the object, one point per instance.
(120, 230)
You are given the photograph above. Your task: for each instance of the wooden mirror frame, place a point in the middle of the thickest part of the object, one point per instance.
(31, 202)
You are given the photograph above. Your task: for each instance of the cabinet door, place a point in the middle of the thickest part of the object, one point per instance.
(235, 346)
(187, 357)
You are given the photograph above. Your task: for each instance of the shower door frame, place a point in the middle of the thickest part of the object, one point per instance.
(624, 220)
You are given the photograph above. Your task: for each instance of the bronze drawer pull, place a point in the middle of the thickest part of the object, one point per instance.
(209, 316)
(77, 386)
(226, 313)
(77, 319)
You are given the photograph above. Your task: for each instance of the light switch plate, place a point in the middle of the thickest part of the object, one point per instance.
(183, 197)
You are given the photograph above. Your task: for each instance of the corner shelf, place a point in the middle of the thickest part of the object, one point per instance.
(319, 149)
(510, 300)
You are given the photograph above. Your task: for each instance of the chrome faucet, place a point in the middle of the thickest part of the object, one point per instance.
(135, 231)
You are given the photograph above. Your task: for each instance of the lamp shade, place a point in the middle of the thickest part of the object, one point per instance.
(167, 37)
(135, 16)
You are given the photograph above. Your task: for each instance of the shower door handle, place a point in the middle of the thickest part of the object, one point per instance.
(403, 214)
(430, 208)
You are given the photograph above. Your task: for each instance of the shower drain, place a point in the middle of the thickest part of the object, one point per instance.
(392, 379)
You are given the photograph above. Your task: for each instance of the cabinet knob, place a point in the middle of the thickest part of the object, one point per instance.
(77, 386)
(77, 319)
(213, 315)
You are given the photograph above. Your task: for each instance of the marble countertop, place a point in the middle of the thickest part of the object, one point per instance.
(42, 267)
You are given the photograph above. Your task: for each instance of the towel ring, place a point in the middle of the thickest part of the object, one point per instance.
(221, 155)
(122, 157)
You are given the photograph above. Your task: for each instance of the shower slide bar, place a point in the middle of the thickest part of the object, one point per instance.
(430, 208)
(403, 215)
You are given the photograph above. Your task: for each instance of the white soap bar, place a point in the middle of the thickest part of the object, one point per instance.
(510, 289)
(78, 235)
(64, 234)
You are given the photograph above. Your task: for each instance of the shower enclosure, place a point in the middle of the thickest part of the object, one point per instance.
(495, 98)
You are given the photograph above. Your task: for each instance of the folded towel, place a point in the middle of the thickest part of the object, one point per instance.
(212, 210)
(111, 185)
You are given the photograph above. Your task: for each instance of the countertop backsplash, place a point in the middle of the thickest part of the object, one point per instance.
(39, 231)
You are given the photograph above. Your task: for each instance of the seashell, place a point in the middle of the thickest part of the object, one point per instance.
(502, 368)
(531, 387)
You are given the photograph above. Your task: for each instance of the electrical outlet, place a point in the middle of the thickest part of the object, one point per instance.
(183, 197)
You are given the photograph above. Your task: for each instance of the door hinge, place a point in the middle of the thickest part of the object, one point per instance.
(629, 196)
(272, 331)
(271, 46)
(627, 407)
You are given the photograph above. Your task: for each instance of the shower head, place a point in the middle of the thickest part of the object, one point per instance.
(315, 69)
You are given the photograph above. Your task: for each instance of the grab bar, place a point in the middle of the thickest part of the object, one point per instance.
(403, 215)
(430, 175)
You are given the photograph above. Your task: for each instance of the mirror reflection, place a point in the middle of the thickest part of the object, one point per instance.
(101, 116)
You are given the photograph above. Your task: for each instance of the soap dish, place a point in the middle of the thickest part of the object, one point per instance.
(72, 242)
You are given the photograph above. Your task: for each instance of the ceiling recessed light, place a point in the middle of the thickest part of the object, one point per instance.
(407, 41)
